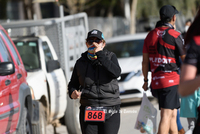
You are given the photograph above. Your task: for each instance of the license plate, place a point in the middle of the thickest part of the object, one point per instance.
(94, 114)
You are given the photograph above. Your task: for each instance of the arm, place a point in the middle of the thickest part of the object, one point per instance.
(111, 65)
(188, 81)
(145, 69)
(180, 47)
(73, 85)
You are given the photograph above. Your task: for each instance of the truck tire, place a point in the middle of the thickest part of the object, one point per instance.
(72, 116)
(25, 126)
(40, 128)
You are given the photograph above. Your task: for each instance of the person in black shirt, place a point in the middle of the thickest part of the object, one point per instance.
(190, 70)
(95, 75)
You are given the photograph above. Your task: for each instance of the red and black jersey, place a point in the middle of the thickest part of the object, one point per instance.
(193, 53)
(164, 46)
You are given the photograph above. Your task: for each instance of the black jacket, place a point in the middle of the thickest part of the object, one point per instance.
(96, 79)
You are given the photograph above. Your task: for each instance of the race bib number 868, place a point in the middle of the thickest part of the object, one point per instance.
(93, 114)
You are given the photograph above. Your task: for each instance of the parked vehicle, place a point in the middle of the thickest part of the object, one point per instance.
(65, 40)
(16, 109)
(128, 49)
(45, 77)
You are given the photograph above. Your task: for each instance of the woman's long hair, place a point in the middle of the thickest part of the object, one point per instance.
(194, 29)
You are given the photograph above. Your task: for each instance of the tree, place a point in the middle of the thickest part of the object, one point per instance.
(75, 6)
(28, 9)
(146, 8)
(133, 16)
(186, 7)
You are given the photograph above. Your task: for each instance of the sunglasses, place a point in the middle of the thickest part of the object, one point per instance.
(91, 41)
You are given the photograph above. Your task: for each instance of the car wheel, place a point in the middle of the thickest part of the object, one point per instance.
(72, 116)
(25, 126)
(40, 128)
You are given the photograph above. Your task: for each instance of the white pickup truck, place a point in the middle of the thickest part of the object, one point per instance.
(45, 77)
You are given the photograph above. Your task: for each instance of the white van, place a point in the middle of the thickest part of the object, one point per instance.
(128, 49)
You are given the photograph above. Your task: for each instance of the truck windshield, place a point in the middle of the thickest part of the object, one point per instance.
(28, 51)
(126, 48)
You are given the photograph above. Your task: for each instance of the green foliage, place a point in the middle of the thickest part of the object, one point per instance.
(146, 8)
(104, 7)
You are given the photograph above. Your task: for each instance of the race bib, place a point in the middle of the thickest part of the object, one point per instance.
(94, 114)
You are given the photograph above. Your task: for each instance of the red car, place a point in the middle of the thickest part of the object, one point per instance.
(15, 95)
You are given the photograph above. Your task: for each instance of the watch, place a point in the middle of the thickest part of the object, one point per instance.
(146, 80)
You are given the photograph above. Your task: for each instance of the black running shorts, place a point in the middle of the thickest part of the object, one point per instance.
(168, 98)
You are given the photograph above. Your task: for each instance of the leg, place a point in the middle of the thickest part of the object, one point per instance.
(87, 127)
(178, 121)
(191, 125)
(173, 124)
(180, 127)
(164, 121)
(111, 126)
(168, 99)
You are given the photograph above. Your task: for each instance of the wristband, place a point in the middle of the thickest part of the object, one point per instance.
(146, 80)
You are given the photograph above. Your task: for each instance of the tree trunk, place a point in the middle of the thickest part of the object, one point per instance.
(110, 10)
(28, 9)
(37, 11)
(72, 5)
(133, 17)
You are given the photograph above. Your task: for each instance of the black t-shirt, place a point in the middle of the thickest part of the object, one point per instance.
(193, 53)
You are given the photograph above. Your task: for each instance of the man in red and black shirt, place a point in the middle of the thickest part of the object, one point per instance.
(162, 48)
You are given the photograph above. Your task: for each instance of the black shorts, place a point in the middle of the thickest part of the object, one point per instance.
(168, 98)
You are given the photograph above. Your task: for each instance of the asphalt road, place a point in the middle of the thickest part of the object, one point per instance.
(129, 112)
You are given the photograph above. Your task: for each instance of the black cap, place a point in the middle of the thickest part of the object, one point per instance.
(95, 33)
(167, 11)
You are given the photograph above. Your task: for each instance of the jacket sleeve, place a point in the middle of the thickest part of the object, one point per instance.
(74, 82)
(180, 45)
(111, 65)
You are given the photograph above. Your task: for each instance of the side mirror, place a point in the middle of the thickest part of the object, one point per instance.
(6, 68)
(52, 65)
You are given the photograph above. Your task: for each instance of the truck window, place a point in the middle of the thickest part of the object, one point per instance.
(11, 47)
(4, 51)
(29, 53)
(47, 52)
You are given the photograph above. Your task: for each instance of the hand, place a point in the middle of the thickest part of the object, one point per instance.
(75, 94)
(98, 47)
(142, 130)
(145, 86)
